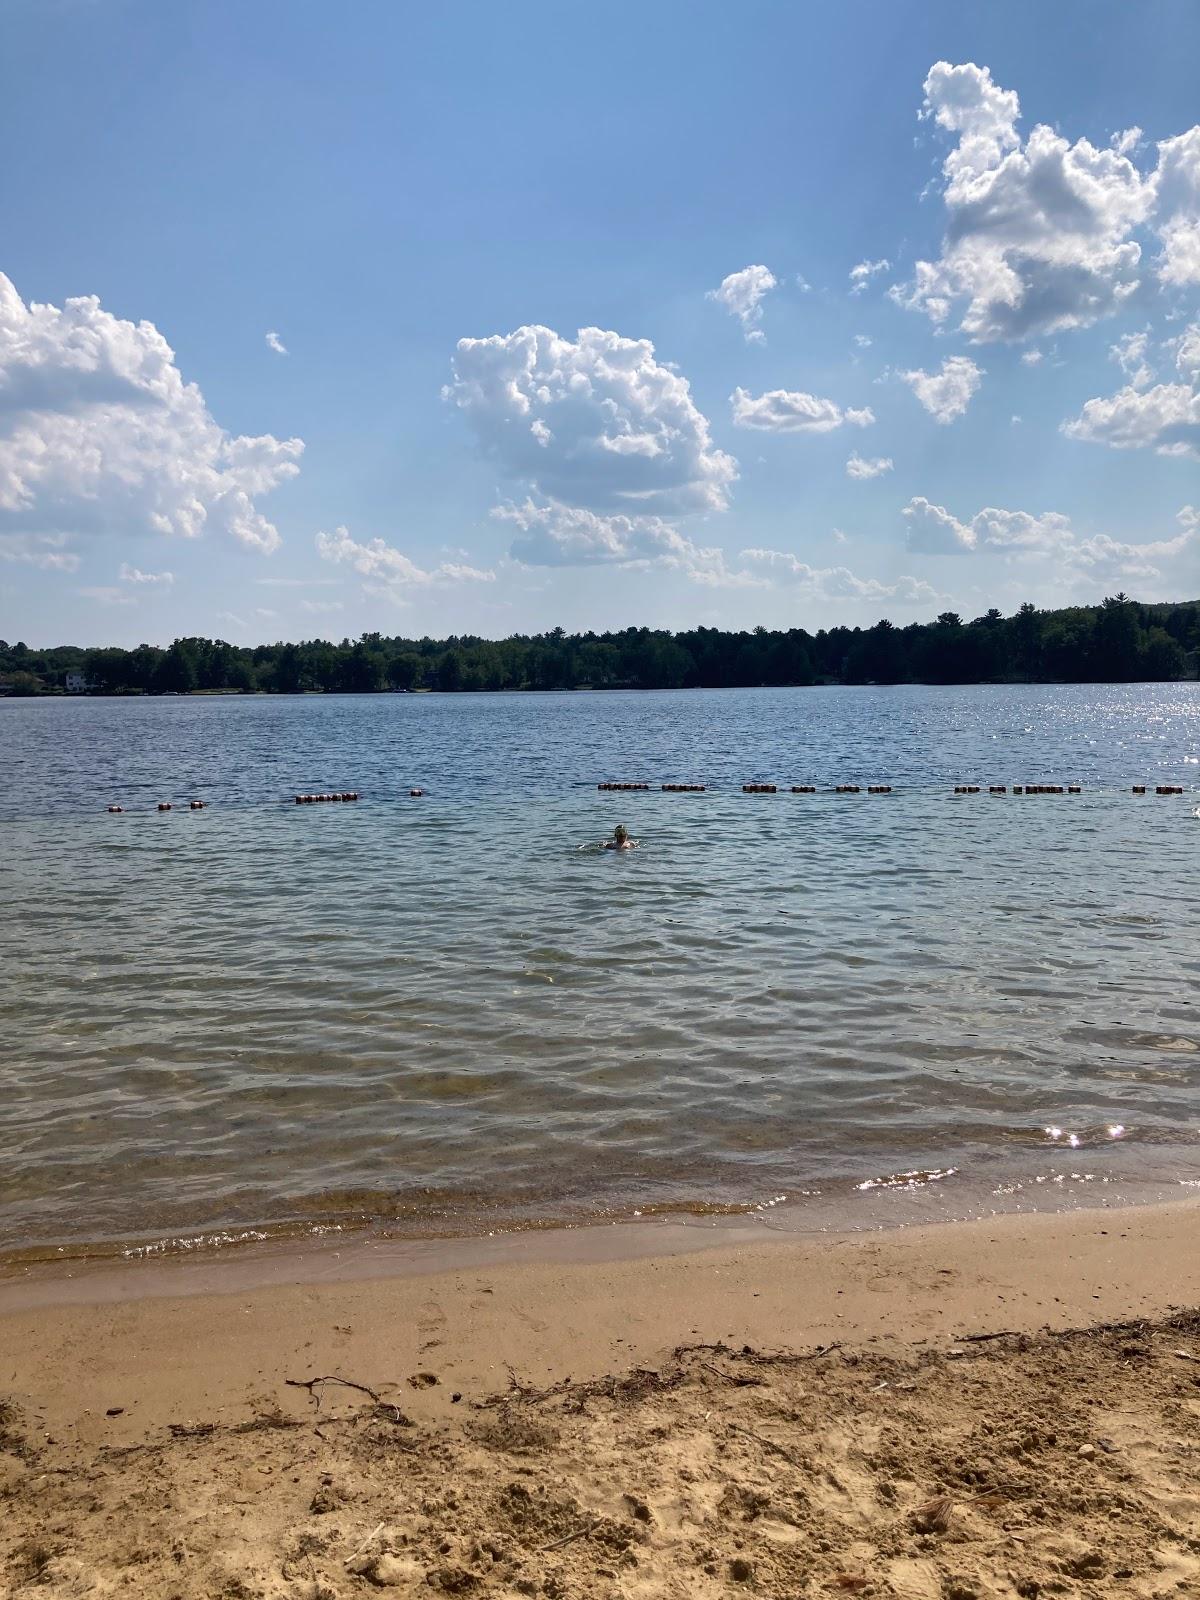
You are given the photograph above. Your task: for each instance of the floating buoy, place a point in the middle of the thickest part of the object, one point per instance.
(164, 805)
(1169, 788)
(879, 788)
(804, 788)
(997, 788)
(1074, 788)
(846, 788)
(760, 788)
(966, 788)
(682, 788)
(115, 810)
(197, 805)
(1139, 788)
(1017, 789)
(415, 794)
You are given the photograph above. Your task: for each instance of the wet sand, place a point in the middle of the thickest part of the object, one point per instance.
(617, 1412)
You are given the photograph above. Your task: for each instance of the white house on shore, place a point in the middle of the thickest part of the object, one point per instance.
(76, 683)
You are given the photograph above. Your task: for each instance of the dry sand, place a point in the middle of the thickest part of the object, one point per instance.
(614, 1414)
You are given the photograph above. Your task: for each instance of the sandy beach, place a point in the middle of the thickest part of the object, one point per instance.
(990, 1408)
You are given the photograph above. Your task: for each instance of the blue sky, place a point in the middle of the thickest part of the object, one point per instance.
(404, 196)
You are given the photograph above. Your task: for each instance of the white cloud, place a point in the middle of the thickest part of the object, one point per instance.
(862, 341)
(265, 612)
(320, 608)
(874, 467)
(945, 394)
(130, 574)
(620, 431)
(1165, 419)
(839, 583)
(1129, 353)
(861, 275)
(1031, 358)
(232, 618)
(561, 536)
(1177, 183)
(44, 550)
(1040, 233)
(1186, 350)
(741, 293)
(98, 430)
(932, 530)
(790, 411)
(274, 342)
(106, 595)
(390, 571)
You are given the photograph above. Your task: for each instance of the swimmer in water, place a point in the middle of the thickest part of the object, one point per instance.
(620, 839)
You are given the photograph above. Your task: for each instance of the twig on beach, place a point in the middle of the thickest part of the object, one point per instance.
(767, 1444)
(363, 1543)
(347, 1383)
(739, 1382)
(982, 1338)
(821, 1350)
(569, 1538)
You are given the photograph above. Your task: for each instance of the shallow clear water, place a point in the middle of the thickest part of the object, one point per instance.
(452, 1012)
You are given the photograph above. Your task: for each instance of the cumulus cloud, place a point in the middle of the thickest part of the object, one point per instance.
(859, 467)
(44, 550)
(130, 574)
(1040, 233)
(1129, 353)
(389, 571)
(1177, 186)
(861, 275)
(741, 293)
(862, 341)
(790, 411)
(98, 430)
(274, 342)
(569, 536)
(1031, 358)
(945, 394)
(619, 431)
(838, 583)
(932, 530)
(1163, 417)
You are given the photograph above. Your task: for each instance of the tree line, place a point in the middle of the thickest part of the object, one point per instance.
(1120, 641)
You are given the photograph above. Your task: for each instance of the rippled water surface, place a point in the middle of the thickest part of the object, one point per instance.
(451, 1012)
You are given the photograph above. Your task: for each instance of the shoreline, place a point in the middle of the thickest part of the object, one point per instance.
(557, 1298)
(776, 1411)
(248, 1254)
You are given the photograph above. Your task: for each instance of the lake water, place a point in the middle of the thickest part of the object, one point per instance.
(454, 1013)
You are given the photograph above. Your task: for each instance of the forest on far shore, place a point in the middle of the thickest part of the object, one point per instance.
(1120, 641)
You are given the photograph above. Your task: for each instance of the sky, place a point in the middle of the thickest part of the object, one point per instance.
(467, 318)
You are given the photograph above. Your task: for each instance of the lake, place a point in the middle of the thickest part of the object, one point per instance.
(455, 1013)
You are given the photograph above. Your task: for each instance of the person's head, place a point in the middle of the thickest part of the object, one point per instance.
(620, 833)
